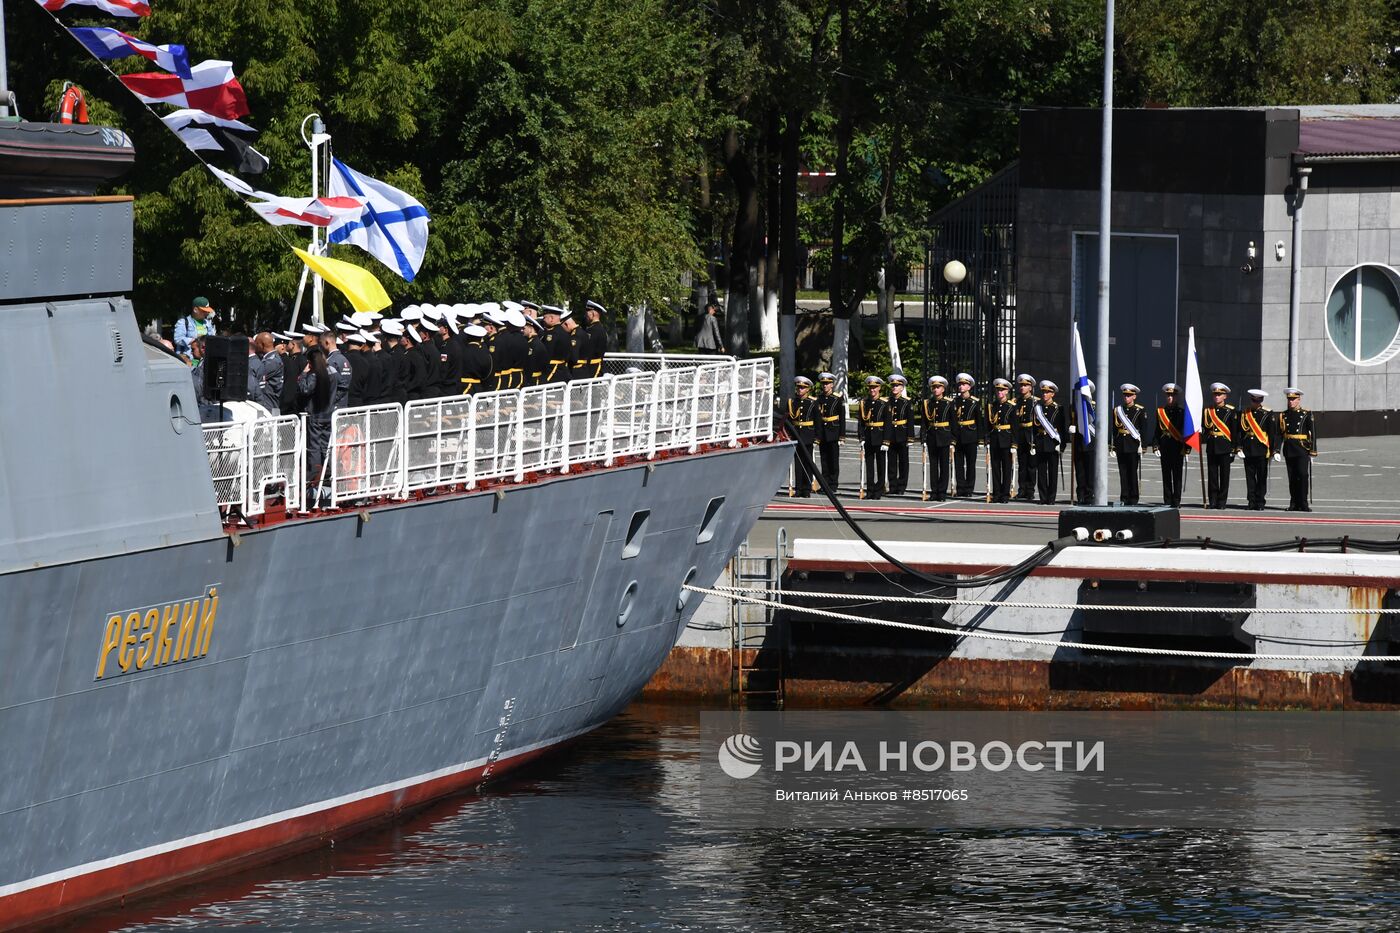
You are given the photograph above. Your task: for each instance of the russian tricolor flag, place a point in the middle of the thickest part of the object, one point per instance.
(1195, 398)
(107, 43)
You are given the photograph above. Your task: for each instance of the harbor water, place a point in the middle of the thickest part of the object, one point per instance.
(607, 834)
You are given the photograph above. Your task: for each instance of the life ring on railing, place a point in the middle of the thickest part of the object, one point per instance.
(72, 105)
(349, 458)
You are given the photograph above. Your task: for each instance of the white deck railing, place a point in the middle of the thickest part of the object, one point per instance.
(382, 451)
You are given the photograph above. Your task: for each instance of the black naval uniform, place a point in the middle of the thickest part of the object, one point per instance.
(1299, 447)
(576, 351)
(1257, 439)
(938, 438)
(874, 428)
(559, 353)
(1169, 442)
(968, 425)
(1221, 438)
(1024, 435)
(1049, 435)
(901, 431)
(831, 410)
(597, 344)
(803, 414)
(476, 375)
(1001, 431)
(1129, 423)
(1083, 455)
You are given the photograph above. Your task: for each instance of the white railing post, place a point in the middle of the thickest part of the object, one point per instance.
(695, 412)
(564, 426)
(519, 421)
(734, 404)
(653, 414)
(609, 421)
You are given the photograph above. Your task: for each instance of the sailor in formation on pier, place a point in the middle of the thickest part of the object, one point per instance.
(938, 436)
(1257, 439)
(1170, 444)
(900, 432)
(1299, 447)
(802, 415)
(1051, 426)
(1129, 423)
(1024, 435)
(969, 427)
(873, 428)
(1001, 436)
(831, 428)
(1220, 442)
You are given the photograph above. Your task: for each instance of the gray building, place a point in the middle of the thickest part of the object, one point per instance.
(1205, 204)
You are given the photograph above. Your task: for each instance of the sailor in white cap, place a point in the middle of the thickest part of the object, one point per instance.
(449, 377)
(510, 350)
(362, 387)
(1299, 442)
(874, 435)
(1025, 437)
(556, 345)
(1257, 440)
(938, 438)
(1170, 444)
(423, 358)
(969, 427)
(831, 428)
(476, 373)
(595, 339)
(1129, 428)
(1220, 441)
(325, 383)
(575, 348)
(802, 418)
(1051, 428)
(1001, 427)
(901, 432)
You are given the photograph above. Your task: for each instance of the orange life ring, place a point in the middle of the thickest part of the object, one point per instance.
(72, 106)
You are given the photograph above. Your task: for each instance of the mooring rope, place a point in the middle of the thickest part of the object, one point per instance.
(1013, 604)
(1041, 642)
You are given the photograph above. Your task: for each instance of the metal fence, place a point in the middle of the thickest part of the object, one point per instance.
(971, 326)
(384, 451)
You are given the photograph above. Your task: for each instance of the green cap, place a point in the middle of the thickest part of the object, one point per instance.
(201, 302)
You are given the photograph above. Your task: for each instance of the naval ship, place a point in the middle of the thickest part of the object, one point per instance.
(200, 669)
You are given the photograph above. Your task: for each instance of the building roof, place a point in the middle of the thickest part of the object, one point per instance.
(1334, 138)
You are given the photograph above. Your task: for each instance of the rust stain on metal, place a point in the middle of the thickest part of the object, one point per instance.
(826, 678)
(1366, 600)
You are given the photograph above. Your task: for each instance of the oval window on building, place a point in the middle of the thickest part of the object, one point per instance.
(1363, 315)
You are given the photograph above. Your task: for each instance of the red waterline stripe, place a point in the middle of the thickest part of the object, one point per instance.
(234, 852)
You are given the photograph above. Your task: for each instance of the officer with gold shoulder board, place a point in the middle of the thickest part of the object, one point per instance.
(1170, 444)
(1001, 426)
(874, 435)
(1024, 435)
(1220, 441)
(1257, 440)
(901, 430)
(802, 412)
(1299, 447)
(1129, 423)
(938, 436)
(831, 428)
(969, 425)
(1051, 426)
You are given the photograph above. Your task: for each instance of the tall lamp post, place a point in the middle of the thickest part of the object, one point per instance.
(953, 273)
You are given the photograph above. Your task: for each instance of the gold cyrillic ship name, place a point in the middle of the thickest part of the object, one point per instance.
(144, 639)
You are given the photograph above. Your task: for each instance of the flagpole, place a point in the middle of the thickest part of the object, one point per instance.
(314, 142)
(1100, 453)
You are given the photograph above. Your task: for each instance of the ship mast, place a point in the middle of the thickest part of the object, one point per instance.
(318, 138)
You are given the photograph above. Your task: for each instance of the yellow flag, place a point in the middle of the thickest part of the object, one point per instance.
(360, 286)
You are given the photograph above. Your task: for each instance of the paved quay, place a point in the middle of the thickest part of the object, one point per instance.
(1356, 492)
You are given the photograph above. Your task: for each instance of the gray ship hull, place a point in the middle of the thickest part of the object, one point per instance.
(173, 711)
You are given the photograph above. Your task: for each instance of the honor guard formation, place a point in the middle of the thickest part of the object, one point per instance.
(428, 351)
(1018, 438)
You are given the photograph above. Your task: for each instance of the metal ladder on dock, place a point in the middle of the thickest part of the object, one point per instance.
(757, 638)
